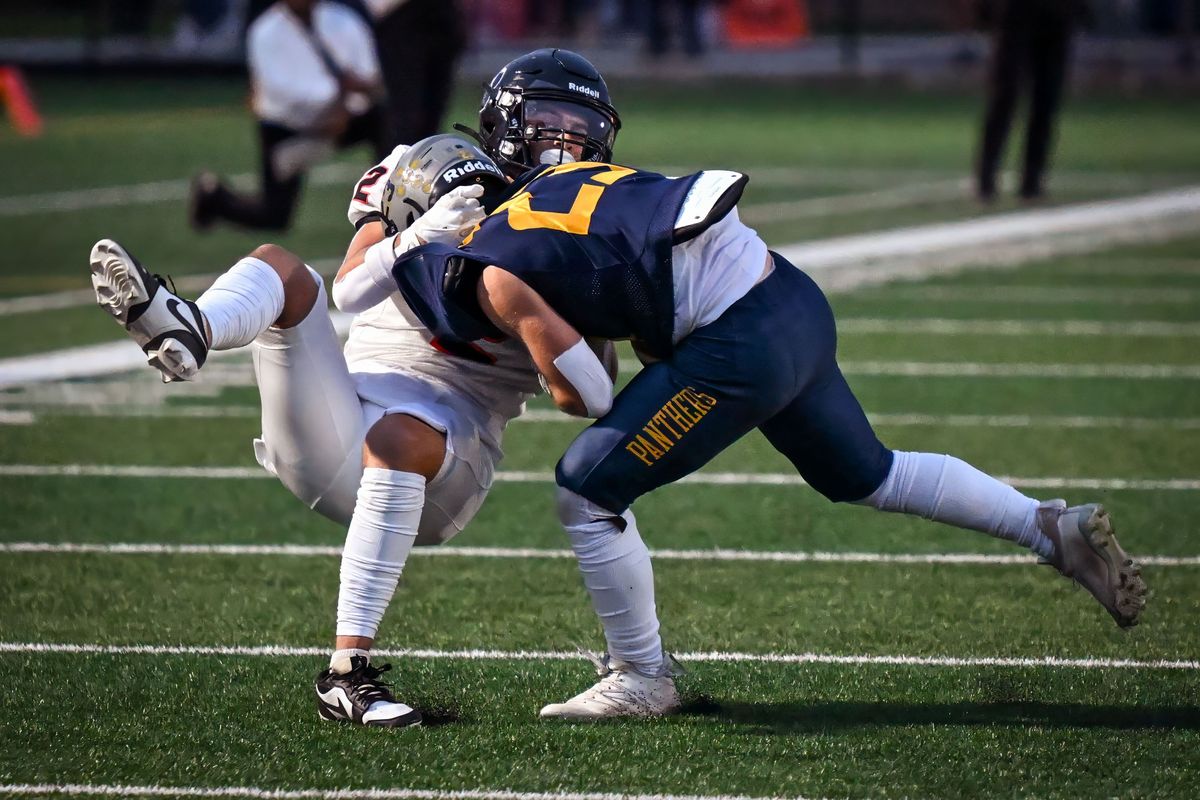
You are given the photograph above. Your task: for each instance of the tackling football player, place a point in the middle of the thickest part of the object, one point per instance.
(398, 436)
(735, 338)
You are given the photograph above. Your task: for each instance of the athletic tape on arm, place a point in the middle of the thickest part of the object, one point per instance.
(583, 370)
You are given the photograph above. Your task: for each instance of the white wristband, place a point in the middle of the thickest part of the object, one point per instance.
(579, 365)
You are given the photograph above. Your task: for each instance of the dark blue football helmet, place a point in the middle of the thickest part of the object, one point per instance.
(547, 107)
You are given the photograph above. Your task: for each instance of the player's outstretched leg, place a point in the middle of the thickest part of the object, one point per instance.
(169, 329)
(1078, 541)
(1086, 550)
(269, 287)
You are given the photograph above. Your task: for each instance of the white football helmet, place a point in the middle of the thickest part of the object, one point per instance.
(430, 169)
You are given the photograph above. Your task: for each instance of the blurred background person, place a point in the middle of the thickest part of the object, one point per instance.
(1031, 42)
(420, 42)
(316, 88)
(682, 16)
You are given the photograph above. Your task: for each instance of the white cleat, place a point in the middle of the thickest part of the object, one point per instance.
(168, 328)
(620, 692)
(1086, 550)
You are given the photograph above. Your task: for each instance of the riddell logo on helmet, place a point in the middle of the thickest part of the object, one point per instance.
(453, 174)
(589, 91)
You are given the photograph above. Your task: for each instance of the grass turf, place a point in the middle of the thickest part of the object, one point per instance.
(875, 730)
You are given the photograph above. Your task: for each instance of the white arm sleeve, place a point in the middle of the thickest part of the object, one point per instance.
(371, 282)
(583, 370)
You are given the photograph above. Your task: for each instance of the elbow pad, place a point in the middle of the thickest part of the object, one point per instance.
(579, 365)
(370, 283)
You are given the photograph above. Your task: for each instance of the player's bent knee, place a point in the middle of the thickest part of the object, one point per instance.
(579, 471)
(577, 513)
(301, 285)
(406, 444)
(856, 484)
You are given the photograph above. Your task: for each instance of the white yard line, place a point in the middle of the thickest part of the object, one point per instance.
(16, 417)
(517, 476)
(78, 298)
(1051, 295)
(546, 416)
(565, 655)
(1025, 421)
(974, 369)
(998, 239)
(145, 193)
(95, 360)
(1014, 327)
(903, 196)
(256, 793)
(952, 369)
(451, 551)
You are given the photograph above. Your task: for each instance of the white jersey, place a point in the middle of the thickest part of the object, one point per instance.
(498, 377)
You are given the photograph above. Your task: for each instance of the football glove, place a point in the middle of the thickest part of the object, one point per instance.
(449, 221)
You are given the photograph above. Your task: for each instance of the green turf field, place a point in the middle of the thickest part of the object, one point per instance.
(831, 651)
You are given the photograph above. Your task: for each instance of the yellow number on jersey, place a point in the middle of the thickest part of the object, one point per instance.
(579, 218)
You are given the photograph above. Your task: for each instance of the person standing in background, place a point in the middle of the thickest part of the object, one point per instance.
(316, 87)
(1030, 46)
(419, 44)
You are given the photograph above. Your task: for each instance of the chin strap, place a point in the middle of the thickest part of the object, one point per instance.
(474, 134)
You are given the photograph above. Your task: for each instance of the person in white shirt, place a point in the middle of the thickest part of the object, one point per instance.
(316, 88)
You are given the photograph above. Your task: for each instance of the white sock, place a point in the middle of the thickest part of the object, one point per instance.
(616, 570)
(947, 489)
(242, 303)
(382, 530)
(339, 662)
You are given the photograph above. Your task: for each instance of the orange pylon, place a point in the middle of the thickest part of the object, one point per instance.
(19, 102)
(766, 23)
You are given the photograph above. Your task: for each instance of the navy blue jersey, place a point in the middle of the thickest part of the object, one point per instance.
(594, 240)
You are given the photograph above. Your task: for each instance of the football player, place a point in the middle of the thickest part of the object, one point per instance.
(735, 338)
(397, 437)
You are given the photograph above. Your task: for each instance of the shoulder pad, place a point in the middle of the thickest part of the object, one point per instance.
(713, 194)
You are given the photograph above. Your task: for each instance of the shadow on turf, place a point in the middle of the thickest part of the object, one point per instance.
(818, 717)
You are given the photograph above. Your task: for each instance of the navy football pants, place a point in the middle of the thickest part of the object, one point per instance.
(769, 363)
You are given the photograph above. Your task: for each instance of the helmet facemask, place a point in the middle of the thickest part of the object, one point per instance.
(552, 130)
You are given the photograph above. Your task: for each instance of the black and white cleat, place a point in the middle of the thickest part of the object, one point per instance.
(359, 697)
(168, 328)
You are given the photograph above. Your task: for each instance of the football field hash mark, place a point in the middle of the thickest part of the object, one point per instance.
(521, 476)
(452, 551)
(57, 648)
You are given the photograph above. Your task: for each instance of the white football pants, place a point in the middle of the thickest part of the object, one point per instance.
(314, 423)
